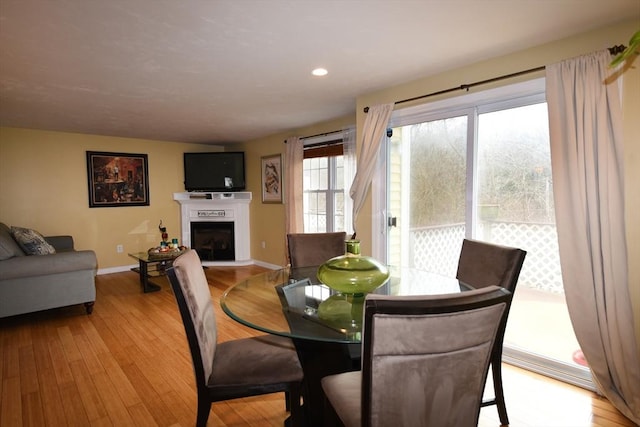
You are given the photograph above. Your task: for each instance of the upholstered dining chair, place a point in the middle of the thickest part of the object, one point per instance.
(484, 264)
(309, 249)
(232, 369)
(425, 361)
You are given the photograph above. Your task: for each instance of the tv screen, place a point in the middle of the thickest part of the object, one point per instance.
(217, 171)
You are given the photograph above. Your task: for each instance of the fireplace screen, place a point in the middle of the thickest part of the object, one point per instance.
(213, 241)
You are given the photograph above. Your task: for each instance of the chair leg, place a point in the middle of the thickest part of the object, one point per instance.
(287, 401)
(204, 407)
(496, 369)
(293, 403)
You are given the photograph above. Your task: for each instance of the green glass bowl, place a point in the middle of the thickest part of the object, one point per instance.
(353, 274)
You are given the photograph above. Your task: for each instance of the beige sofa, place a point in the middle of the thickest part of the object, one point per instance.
(30, 283)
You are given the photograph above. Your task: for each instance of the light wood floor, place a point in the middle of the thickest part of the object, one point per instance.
(128, 364)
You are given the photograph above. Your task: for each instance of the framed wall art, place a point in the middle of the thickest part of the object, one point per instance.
(117, 179)
(272, 178)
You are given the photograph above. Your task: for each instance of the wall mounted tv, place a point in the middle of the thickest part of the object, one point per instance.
(216, 171)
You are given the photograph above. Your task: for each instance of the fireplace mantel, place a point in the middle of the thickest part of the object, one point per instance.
(222, 207)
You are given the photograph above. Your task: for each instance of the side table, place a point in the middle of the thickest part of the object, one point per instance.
(152, 266)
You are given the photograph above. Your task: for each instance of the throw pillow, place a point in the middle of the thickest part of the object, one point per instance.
(8, 245)
(32, 242)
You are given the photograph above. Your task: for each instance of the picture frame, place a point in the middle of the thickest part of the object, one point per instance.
(271, 172)
(117, 179)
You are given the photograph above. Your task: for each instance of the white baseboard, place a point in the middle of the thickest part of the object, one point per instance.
(122, 268)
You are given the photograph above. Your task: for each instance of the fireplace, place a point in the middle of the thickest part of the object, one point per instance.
(214, 241)
(216, 225)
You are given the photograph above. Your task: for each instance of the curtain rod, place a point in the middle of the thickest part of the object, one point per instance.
(612, 50)
(320, 134)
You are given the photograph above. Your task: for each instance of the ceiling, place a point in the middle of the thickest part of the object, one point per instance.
(220, 71)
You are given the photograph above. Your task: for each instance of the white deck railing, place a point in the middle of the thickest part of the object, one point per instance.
(435, 247)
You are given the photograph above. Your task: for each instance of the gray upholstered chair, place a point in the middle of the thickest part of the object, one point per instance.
(425, 361)
(484, 264)
(309, 249)
(231, 369)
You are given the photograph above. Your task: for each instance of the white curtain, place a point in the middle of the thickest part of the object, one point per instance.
(375, 126)
(587, 163)
(294, 155)
(349, 162)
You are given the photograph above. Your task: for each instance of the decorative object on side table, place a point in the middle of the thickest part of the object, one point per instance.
(166, 252)
(353, 273)
(163, 233)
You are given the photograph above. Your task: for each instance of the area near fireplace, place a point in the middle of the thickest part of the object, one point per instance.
(216, 225)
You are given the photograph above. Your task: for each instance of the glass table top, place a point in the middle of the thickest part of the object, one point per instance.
(293, 303)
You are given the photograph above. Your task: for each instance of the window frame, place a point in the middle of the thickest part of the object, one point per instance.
(470, 104)
(331, 149)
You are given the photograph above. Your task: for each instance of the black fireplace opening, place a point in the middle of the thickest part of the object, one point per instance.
(213, 241)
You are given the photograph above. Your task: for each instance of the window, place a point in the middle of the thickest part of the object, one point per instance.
(479, 166)
(323, 188)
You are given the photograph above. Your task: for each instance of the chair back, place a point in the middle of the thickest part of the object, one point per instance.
(484, 264)
(191, 290)
(426, 358)
(309, 249)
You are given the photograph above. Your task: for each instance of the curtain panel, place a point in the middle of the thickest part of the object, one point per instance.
(585, 125)
(293, 185)
(375, 126)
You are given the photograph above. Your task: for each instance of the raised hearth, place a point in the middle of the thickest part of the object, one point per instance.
(230, 211)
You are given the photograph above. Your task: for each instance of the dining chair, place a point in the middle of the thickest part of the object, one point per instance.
(311, 249)
(425, 361)
(485, 264)
(231, 369)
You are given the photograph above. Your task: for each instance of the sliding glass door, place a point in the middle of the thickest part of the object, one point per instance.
(483, 171)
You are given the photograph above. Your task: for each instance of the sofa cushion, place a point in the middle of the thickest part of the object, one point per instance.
(8, 246)
(32, 242)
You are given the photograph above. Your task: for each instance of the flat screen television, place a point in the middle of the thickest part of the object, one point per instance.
(216, 171)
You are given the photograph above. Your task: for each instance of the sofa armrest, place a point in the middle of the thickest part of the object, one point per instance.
(61, 243)
(42, 265)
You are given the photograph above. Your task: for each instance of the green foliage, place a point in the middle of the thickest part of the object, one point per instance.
(630, 52)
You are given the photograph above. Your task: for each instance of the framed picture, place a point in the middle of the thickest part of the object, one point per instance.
(272, 179)
(117, 179)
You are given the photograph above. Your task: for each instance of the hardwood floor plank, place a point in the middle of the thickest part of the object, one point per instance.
(74, 410)
(89, 356)
(48, 384)
(119, 380)
(94, 340)
(59, 362)
(184, 410)
(69, 347)
(149, 396)
(28, 371)
(129, 364)
(11, 410)
(32, 415)
(116, 409)
(141, 416)
(88, 393)
(11, 358)
(154, 375)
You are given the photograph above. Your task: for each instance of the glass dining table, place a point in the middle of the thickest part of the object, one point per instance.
(325, 325)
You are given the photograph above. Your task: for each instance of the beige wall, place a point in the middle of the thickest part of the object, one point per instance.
(43, 185)
(531, 58)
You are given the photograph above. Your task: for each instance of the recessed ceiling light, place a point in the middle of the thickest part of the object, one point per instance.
(320, 72)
